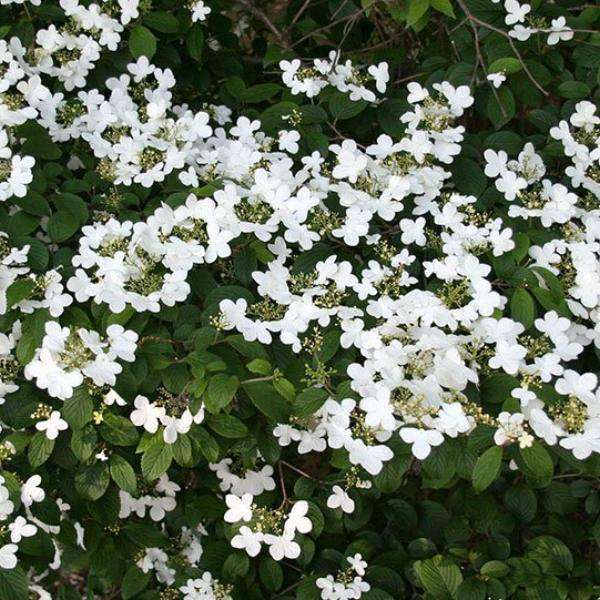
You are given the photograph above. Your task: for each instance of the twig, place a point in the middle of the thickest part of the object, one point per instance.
(288, 589)
(282, 483)
(408, 78)
(300, 472)
(299, 14)
(259, 14)
(480, 59)
(333, 24)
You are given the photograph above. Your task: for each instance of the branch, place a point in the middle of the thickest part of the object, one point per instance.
(262, 16)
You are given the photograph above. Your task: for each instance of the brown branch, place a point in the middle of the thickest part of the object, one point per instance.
(262, 16)
(335, 22)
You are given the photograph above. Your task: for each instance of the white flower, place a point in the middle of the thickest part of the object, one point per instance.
(357, 563)
(421, 440)
(146, 414)
(340, 499)
(199, 11)
(583, 444)
(582, 386)
(496, 79)
(559, 31)
(282, 546)
(381, 75)
(239, 509)
(20, 528)
(288, 141)
(52, 425)
(247, 540)
(31, 491)
(297, 520)
(515, 12)
(8, 559)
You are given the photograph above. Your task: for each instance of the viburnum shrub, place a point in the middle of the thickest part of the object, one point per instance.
(299, 299)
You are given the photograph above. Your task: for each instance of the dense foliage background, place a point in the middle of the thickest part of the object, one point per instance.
(472, 520)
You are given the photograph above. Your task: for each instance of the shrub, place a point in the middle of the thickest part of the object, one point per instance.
(299, 299)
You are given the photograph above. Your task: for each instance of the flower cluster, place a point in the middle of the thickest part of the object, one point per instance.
(347, 584)
(231, 293)
(344, 76)
(67, 357)
(276, 529)
(523, 24)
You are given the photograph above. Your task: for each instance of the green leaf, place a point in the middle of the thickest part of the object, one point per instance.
(40, 449)
(77, 411)
(194, 41)
(236, 565)
(471, 589)
(537, 463)
(443, 6)
(342, 107)
(551, 554)
(439, 577)
(507, 65)
(83, 442)
(487, 468)
(497, 388)
(156, 460)
(501, 107)
(13, 584)
(227, 426)
(221, 390)
(416, 9)
(32, 335)
(260, 366)
(162, 21)
(260, 92)
(18, 291)
(91, 482)
(522, 307)
(122, 473)
(142, 42)
(494, 568)
(134, 581)
(309, 401)
(522, 502)
(62, 225)
(271, 574)
(118, 430)
(573, 90)
(268, 400)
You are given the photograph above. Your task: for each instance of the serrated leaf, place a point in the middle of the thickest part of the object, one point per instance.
(40, 449)
(122, 473)
(91, 482)
(156, 460)
(522, 307)
(487, 468)
(220, 392)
